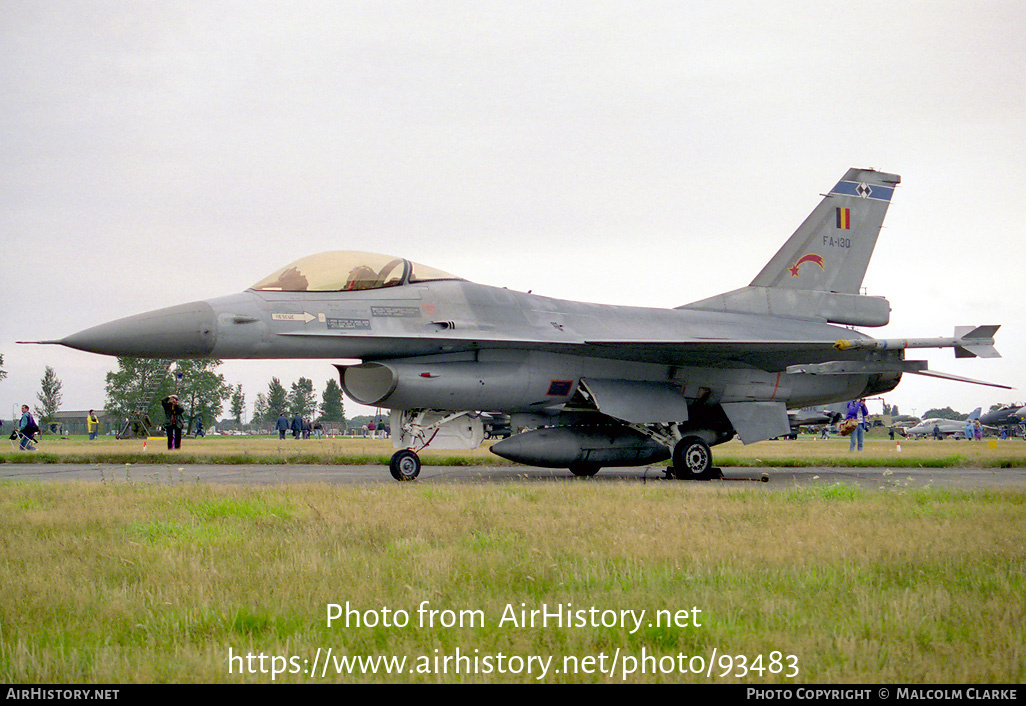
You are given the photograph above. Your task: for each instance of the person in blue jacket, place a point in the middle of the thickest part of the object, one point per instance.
(282, 425)
(28, 428)
(858, 411)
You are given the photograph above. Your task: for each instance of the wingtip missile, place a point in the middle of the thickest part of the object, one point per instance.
(968, 342)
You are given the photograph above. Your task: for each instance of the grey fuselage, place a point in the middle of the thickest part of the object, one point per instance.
(453, 344)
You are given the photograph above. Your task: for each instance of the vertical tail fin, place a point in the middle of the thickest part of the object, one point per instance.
(830, 251)
(818, 272)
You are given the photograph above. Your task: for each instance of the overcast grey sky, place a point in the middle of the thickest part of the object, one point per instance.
(646, 153)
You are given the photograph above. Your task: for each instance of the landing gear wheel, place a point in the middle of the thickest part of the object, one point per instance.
(692, 459)
(583, 469)
(404, 465)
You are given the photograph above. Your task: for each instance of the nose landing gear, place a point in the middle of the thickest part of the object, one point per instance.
(404, 465)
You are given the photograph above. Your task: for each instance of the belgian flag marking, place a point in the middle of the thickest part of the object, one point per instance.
(844, 218)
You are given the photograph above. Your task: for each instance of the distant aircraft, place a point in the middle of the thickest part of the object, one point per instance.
(594, 385)
(1005, 416)
(815, 416)
(946, 427)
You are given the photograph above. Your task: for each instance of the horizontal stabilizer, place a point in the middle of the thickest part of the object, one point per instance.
(958, 378)
(857, 367)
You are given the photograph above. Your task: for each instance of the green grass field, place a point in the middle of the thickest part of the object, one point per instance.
(123, 583)
(126, 583)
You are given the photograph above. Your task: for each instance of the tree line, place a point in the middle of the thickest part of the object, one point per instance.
(203, 392)
(201, 389)
(300, 399)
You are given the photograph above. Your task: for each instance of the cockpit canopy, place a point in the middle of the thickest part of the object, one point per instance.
(347, 271)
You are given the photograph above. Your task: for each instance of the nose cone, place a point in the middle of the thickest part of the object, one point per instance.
(183, 331)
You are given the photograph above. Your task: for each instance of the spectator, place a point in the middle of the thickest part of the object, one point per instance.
(858, 411)
(175, 414)
(28, 428)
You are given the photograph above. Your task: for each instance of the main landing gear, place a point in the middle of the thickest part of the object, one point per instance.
(692, 460)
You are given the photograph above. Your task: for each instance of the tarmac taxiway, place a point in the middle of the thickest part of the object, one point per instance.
(262, 474)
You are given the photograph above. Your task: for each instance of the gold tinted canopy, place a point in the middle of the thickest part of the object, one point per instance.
(347, 271)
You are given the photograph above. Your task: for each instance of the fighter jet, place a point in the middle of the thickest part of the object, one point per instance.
(816, 416)
(1004, 416)
(944, 427)
(586, 385)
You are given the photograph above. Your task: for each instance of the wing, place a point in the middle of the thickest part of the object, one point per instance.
(769, 355)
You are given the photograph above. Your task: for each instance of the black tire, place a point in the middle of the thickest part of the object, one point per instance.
(692, 459)
(583, 469)
(404, 465)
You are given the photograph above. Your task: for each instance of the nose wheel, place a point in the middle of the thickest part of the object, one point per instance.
(404, 465)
